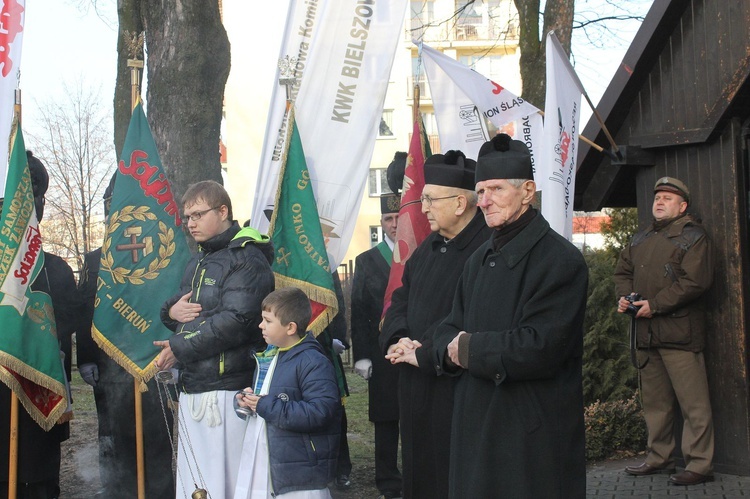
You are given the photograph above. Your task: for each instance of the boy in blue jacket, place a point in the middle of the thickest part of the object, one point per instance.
(291, 448)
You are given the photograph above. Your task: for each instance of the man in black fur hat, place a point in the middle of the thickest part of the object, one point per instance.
(514, 340)
(418, 307)
(371, 272)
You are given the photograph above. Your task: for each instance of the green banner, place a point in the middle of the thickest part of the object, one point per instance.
(29, 350)
(143, 255)
(301, 258)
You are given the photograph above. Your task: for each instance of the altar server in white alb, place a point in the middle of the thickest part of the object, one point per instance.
(215, 316)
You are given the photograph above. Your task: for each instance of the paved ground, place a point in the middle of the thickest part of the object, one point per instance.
(610, 481)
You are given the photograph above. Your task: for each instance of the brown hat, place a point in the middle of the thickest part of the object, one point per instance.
(389, 203)
(671, 184)
(453, 169)
(503, 157)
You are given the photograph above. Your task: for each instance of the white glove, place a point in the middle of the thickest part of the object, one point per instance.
(90, 373)
(363, 367)
(338, 346)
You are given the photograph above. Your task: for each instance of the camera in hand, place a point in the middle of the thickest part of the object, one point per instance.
(633, 309)
(243, 412)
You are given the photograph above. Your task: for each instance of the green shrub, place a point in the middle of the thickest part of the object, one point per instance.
(614, 427)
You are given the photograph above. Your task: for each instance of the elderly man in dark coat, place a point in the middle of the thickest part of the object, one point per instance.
(417, 307)
(514, 338)
(371, 271)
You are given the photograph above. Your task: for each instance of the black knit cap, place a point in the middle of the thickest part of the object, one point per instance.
(453, 169)
(503, 157)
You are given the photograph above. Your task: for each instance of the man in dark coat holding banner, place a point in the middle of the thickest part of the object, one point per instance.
(514, 339)
(371, 271)
(418, 307)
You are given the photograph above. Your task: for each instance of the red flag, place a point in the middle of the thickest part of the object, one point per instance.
(413, 226)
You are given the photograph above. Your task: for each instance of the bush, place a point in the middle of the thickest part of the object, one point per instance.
(614, 427)
(607, 372)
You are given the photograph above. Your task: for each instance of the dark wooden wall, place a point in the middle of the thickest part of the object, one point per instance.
(696, 75)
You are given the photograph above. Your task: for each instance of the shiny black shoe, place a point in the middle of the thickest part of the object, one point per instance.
(342, 482)
(390, 494)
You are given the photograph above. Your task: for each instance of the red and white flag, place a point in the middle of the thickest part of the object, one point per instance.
(562, 112)
(463, 98)
(12, 19)
(413, 226)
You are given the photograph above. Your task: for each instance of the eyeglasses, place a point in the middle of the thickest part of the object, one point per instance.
(195, 216)
(428, 200)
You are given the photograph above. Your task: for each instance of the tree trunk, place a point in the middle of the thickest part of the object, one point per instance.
(558, 16)
(188, 65)
(129, 19)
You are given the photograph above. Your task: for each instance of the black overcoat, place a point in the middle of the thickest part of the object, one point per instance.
(370, 280)
(518, 426)
(426, 399)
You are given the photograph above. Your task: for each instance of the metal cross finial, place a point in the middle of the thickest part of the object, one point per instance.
(287, 77)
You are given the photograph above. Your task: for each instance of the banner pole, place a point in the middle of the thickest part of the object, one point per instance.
(139, 438)
(135, 48)
(13, 458)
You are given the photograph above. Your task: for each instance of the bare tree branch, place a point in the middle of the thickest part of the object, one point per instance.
(73, 139)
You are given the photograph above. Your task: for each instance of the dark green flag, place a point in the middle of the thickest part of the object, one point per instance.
(29, 351)
(301, 258)
(143, 255)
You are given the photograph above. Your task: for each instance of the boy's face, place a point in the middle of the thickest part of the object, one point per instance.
(277, 334)
(209, 221)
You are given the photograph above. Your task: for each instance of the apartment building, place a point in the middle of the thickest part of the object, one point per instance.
(482, 35)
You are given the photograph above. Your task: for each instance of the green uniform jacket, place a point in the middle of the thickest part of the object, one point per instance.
(671, 268)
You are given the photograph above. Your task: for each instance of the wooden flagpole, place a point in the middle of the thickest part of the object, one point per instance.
(135, 47)
(13, 458)
(13, 451)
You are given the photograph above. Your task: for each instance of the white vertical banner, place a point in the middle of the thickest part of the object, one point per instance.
(462, 96)
(12, 21)
(562, 115)
(342, 52)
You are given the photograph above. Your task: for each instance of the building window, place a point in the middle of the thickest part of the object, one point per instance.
(487, 65)
(378, 183)
(386, 123)
(422, 16)
(376, 235)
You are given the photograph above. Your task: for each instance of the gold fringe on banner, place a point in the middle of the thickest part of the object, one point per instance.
(37, 378)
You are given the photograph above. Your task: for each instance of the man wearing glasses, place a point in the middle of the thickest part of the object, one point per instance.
(425, 298)
(215, 316)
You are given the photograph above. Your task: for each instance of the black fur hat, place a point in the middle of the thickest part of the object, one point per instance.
(503, 157)
(395, 172)
(452, 169)
(39, 182)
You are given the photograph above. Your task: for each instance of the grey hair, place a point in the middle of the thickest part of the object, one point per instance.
(516, 182)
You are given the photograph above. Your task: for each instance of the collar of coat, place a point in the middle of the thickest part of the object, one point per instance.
(465, 237)
(675, 227)
(515, 250)
(220, 241)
